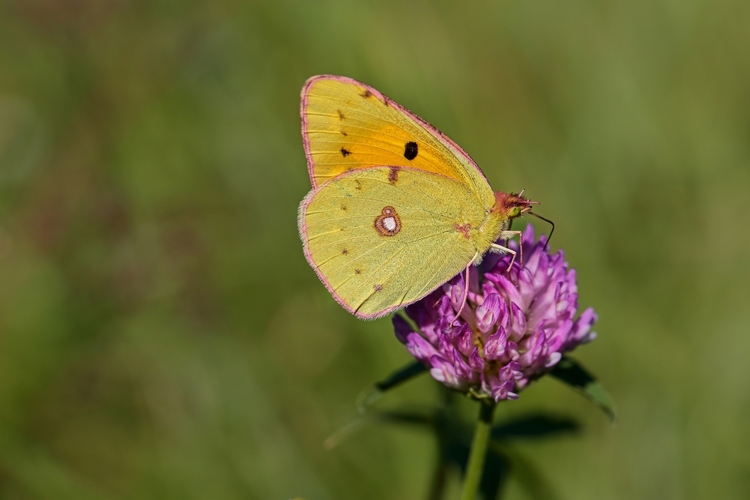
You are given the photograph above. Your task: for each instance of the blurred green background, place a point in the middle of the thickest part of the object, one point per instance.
(162, 336)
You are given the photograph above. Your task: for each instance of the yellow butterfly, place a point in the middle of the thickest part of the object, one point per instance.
(397, 208)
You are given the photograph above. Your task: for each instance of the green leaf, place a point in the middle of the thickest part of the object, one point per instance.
(534, 426)
(528, 476)
(422, 419)
(396, 378)
(404, 417)
(572, 373)
(496, 470)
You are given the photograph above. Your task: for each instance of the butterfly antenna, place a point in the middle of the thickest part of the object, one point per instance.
(546, 244)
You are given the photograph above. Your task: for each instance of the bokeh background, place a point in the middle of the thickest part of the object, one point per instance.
(162, 336)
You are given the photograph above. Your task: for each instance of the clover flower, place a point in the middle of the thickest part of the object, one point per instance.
(514, 327)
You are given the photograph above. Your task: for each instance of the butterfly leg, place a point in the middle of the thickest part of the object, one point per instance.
(507, 235)
(466, 287)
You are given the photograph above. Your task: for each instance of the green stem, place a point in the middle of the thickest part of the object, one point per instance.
(478, 452)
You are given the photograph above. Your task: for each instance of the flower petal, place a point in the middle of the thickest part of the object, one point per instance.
(419, 347)
(401, 328)
(494, 346)
(444, 372)
(488, 313)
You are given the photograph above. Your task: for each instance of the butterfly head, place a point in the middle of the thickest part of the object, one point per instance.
(512, 205)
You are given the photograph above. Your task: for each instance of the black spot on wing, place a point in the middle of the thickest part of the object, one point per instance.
(411, 150)
(345, 152)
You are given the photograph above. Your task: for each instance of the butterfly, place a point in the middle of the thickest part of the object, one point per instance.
(396, 207)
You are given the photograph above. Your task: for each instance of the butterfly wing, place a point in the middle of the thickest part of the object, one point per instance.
(348, 125)
(384, 237)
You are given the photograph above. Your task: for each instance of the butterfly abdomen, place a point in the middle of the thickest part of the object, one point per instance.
(489, 231)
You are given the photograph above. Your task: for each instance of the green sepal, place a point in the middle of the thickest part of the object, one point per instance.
(572, 373)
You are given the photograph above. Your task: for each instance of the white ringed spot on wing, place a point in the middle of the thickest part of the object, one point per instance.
(388, 223)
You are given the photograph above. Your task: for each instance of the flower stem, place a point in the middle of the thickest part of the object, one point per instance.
(478, 452)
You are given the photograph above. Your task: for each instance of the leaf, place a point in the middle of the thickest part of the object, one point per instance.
(404, 417)
(343, 433)
(401, 376)
(572, 373)
(528, 476)
(396, 378)
(534, 426)
(391, 417)
(496, 470)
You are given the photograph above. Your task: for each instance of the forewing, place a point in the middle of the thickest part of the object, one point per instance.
(373, 265)
(348, 125)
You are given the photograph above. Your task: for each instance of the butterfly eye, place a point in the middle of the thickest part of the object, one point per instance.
(411, 150)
